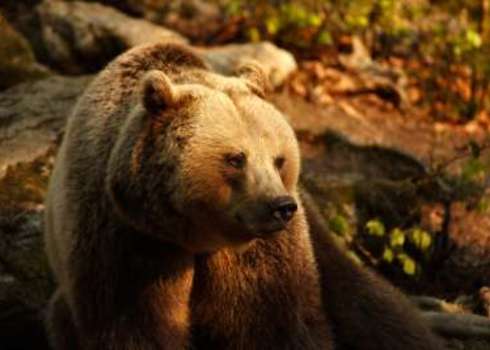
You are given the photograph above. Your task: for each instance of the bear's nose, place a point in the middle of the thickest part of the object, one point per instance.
(283, 208)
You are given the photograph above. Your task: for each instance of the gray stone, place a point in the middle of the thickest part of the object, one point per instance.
(278, 63)
(17, 62)
(82, 37)
(32, 116)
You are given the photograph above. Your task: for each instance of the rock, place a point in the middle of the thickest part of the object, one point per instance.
(32, 116)
(389, 83)
(154, 10)
(277, 62)
(195, 19)
(82, 37)
(24, 271)
(484, 294)
(359, 58)
(198, 20)
(25, 281)
(17, 62)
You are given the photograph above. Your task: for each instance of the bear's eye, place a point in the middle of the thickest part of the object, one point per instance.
(279, 162)
(236, 160)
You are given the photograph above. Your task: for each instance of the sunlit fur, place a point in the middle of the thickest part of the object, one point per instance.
(142, 234)
(225, 124)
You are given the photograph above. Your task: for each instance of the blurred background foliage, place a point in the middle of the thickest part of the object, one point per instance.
(443, 44)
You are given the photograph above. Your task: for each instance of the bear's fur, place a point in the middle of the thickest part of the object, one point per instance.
(160, 233)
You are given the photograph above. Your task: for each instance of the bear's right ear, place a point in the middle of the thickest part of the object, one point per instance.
(158, 92)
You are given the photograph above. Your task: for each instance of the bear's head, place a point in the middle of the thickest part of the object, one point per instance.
(206, 162)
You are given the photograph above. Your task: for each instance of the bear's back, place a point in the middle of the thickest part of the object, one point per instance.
(114, 92)
(91, 132)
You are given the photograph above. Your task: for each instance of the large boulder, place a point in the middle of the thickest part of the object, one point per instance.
(278, 63)
(79, 37)
(32, 119)
(196, 19)
(32, 116)
(17, 62)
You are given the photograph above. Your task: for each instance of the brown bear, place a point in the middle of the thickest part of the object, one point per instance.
(174, 221)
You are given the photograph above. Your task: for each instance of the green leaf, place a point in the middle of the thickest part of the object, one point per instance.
(472, 169)
(421, 239)
(385, 4)
(234, 7)
(408, 264)
(353, 256)
(254, 35)
(295, 14)
(375, 228)
(272, 24)
(483, 205)
(339, 224)
(457, 50)
(360, 21)
(473, 38)
(324, 38)
(409, 267)
(397, 238)
(314, 20)
(388, 255)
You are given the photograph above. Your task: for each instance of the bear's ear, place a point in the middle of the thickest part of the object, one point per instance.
(255, 77)
(158, 92)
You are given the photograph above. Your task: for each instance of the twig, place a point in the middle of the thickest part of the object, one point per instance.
(464, 154)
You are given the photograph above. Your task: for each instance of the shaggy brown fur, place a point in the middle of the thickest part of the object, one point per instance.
(156, 224)
(365, 311)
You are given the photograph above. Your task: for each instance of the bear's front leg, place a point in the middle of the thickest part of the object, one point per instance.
(59, 324)
(143, 304)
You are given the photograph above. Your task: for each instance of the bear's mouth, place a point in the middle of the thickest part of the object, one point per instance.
(262, 229)
(271, 229)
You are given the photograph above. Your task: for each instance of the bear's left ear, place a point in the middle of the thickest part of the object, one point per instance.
(158, 92)
(255, 77)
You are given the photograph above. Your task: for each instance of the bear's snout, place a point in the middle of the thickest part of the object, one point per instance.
(264, 217)
(283, 208)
